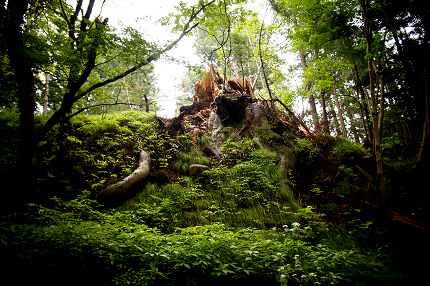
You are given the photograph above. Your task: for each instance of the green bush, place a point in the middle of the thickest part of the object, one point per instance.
(185, 158)
(59, 246)
(308, 153)
(234, 152)
(346, 150)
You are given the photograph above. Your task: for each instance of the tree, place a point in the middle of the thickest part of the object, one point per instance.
(376, 120)
(318, 33)
(86, 45)
(321, 32)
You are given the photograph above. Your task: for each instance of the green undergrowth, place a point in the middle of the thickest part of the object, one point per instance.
(238, 223)
(250, 193)
(76, 242)
(90, 152)
(333, 175)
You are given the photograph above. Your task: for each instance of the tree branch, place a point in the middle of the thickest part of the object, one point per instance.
(64, 15)
(98, 105)
(359, 103)
(151, 58)
(87, 15)
(73, 19)
(295, 118)
(73, 95)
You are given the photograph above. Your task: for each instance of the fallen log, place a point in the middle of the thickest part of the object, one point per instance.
(118, 191)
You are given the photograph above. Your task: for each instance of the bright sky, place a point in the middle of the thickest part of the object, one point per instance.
(142, 15)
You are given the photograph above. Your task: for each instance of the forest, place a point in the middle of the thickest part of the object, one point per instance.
(298, 153)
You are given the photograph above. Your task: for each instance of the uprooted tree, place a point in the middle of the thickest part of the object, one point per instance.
(222, 109)
(226, 108)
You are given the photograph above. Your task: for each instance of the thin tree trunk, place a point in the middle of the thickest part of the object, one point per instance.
(235, 68)
(248, 65)
(311, 96)
(324, 112)
(146, 102)
(380, 185)
(126, 94)
(45, 95)
(381, 101)
(257, 64)
(334, 118)
(406, 130)
(393, 137)
(339, 113)
(361, 92)
(426, 129)
(365, 124)
(353, 125)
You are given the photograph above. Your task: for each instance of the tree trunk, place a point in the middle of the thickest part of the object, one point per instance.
(126, 93)
(146, 102)
(333, 116)
(325, 123)
(311, 96)
(426, 129)
(381, 102)
(380, 185)
(21, 64)
(365, 123)
(339, 113)
(361, 92)
(235, 68)
(353, 125)
(45, 95)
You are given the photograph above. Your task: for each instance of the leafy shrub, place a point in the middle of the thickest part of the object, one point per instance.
(308, 152)
(60, 247)
(188, 157)
(9, 123)
(347, 182)
(250, 193)
(234, 152)
(346, 150)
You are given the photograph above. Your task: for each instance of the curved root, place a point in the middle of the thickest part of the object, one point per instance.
(118, 191)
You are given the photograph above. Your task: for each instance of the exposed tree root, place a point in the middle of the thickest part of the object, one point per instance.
(118, 191)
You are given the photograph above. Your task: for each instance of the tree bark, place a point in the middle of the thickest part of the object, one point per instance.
(365, 123)
(235, 68)
(361, 92)
(146, 102)
(311, 96)
(45, 95)
(339, 113)
(426, 129)
(380, 185)
(353, 125)
(21, 64)
(324, 112)
(119, 191)
(333, 116)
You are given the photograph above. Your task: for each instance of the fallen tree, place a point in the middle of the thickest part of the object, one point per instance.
(117, 192)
